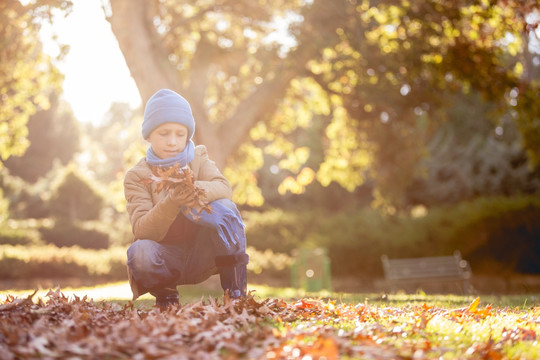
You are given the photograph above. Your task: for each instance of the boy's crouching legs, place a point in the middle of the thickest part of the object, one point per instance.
(151, 270)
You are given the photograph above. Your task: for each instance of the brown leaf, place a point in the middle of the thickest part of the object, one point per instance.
(174, 176)
(17, 302)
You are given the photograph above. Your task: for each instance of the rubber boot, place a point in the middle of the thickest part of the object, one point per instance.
(233, 274)
(165, 297)
(164, 302)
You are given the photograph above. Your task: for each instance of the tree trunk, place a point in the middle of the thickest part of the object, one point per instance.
(147, 59)
(131, 23)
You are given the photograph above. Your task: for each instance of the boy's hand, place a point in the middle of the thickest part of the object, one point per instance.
(184, 197)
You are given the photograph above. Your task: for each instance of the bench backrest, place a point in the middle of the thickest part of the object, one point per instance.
(426, 267)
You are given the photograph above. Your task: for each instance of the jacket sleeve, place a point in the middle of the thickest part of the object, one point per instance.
(148, 221)
(209, 178)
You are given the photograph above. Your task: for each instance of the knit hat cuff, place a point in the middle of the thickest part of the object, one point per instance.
(164, 115)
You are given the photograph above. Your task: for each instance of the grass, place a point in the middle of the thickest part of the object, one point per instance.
(121, 293)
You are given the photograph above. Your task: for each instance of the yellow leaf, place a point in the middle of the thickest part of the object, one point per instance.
(518, 69)
(305, 177)
(474, 305)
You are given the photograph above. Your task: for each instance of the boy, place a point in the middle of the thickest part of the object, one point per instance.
(176, 240)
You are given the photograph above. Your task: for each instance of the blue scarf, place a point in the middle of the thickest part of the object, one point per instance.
(183, 158)
(225, 217)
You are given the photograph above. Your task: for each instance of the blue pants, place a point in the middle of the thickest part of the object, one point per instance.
(157, 268)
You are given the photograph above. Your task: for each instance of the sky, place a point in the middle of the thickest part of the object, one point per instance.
(96, 74)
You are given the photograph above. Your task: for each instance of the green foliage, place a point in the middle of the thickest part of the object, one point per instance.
(268, 262)
(527, 115)
(38, 269)
(485, 230)
(22, 262)
(54, 135)
(470, 158)
(395, 65)
(117, 226)
(17, 236)
(380, 74)
(57, 261)
(25, 71)
(4, 207)
(30, 200)
(109, 143)
(280, 230)
(66, 233)
(242, 174)
(111, 147)
(75, 198)
(111, 233)
(497, 235)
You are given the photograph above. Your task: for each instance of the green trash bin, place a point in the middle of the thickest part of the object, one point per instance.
(310, 270)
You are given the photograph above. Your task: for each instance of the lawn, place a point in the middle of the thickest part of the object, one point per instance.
(271, 323)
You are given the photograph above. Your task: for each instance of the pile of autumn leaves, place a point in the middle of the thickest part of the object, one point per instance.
(229, 329)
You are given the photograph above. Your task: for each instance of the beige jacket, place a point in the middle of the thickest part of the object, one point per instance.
(152, 214)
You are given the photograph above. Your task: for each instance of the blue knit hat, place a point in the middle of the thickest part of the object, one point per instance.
(167, 106)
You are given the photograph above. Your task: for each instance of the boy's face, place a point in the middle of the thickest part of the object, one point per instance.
(168, 139)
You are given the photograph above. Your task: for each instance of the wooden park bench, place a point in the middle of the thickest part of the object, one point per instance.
(403, 274)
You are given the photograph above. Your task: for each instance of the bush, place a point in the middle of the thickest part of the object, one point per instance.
(76, 199)
(65, 233)
(485, 230)
(10, 236)
(280, 230)
(49, 261)
(504, 231)
(268, 262)
(14, 268)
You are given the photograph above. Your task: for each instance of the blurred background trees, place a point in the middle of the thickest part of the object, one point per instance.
(53, 136)
(26, 72)
(393, 126)
(383, 73)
